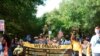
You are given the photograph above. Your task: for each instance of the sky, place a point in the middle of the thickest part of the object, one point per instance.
(49, 6)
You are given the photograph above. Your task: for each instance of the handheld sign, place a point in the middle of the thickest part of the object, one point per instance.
(2, 25)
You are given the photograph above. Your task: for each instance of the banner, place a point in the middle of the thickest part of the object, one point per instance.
(46, 46)
(2, 28)
(52, 50)
(46, 50)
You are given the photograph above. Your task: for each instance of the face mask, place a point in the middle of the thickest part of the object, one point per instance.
(97, 31)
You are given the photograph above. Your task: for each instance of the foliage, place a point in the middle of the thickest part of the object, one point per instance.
(79, 14)
(19, 16)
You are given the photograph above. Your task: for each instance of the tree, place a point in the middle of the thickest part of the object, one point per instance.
(80, 14)
(19, 16)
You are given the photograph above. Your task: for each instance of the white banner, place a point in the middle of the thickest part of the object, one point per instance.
(2, 25)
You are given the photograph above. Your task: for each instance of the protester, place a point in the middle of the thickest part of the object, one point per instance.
(85, 44)
(95, 42)
(14, 44)
(28, 38)
(36, 40)
(1, 47)
(55, 42)
(19, 49)
(66, 40)
(42, 39)
(76, 45)
(49, 41)
(5, 47)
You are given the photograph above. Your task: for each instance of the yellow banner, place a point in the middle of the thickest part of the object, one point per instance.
(46, 46)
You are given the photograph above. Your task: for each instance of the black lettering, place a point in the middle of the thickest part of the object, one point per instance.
(36, 46)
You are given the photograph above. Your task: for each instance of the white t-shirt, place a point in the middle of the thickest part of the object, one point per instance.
(95, 44)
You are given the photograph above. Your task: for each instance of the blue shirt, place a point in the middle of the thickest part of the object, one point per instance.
(1, 47)
(64, 42)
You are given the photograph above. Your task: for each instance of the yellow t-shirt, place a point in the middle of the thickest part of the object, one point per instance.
(76, 45)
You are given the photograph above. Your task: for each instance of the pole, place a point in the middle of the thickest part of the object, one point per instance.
(3, 32)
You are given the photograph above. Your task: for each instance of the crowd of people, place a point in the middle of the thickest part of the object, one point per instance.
(8, 46)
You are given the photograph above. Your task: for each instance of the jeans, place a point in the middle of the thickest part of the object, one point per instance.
(10, 53)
